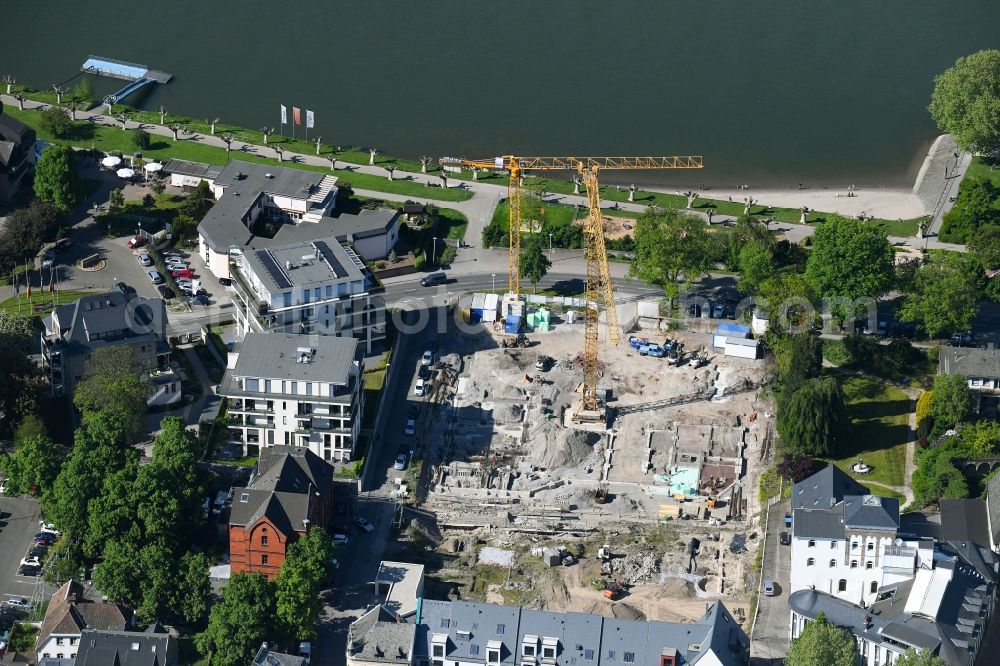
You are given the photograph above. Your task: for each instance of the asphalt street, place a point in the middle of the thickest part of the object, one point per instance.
(770, 632)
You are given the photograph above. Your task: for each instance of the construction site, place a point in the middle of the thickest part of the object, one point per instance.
(566, 467)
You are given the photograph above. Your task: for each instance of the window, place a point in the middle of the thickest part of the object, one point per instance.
(628, 657)
(854, 545)
(871, 546)
(493, 656)
(528, 650)
(548, 652)
(854, 564)
(438, 650)
(500, 628)
(445, 623)
(588, 655)
(810, 562)
(263, 540)
(474, 649)
(833, 544)
(869, 565)
(263, 559)
(833, 563)
(874, 586)
(72, 641)
(59, 641)
(59, 656)
(842, 585)
(438, 662)
(611, 654)
(812, 543)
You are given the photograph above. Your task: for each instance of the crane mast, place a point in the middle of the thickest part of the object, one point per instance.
(598, 275)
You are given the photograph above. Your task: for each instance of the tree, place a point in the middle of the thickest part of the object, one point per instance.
(805, 362)
(922, 657)
(822, 644)
(33, 467)
(670, 246)
(116, 199)
(26, 229)
(787, 298)
(534, 264)
(795, 466)
(240, 622)
(176, 128)
(952, 404)
(924, 405)
(56, 179)
(811, 419)
(299, 581)
(197, 202)
(756, 264)
(142, 139)
(985, 244)
(20, 386)
(114, 379)
(966, 101)
(112, 512)
(850, 259)
(53, 120)
(227, 138)
(84, 93)
(193, 587)
(118, 576)
(945, 294)
(157, 584)
(982, 438)
(977, 206)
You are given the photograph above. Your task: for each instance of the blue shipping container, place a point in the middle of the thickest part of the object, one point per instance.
(512, 324)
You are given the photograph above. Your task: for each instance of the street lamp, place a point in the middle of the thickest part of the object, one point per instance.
(494, 287)
(435, 251)
(550, 241)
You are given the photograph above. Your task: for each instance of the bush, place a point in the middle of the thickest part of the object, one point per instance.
(447, 256)
(495, 235)
(149, 201)
(54, 121)
(418, 261)
(141, 139)
(835, 352)
(379, 265)
(924, 405)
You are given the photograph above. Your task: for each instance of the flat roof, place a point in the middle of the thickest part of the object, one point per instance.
(403, 580)
(276, 356)
(302, 264)
(189, 168)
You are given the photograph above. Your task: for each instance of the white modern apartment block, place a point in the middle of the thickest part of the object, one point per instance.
(295, 390)
(294, 261)
(845, 540)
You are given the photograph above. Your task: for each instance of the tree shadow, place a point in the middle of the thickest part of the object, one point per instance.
(81, 132)
(159, 145)
(569, 287)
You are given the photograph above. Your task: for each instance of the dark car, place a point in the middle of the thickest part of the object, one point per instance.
(29, 570)
(694, 310)
(166, 293)
(225, 282)
(123, 288)
(785, 539)
(201, 299)
(961, 339)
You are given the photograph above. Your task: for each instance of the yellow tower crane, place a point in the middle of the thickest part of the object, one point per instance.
(598, 275)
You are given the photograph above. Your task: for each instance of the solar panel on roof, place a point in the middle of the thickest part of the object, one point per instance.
(328, 255)
(273, 269)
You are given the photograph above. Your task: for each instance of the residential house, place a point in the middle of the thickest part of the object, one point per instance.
(399, 585)
(293, 257)
(17, 155)
(290, 492)
(153, 647)
(267, 657)
(76, 330)
(981, 367)
(845, 540)
(69, 613)
(295, 390)
(462, 633)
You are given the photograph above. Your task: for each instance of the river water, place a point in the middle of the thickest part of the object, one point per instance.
(770, 92)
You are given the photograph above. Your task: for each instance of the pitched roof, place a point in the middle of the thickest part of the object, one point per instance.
(266, 657)
(970, 362)
(286, 479)
(871, 512)
(377, 636)
(965, 520)
(101, 320)
(70, 613)
(126, 648)
(824, 489)
(993, 509)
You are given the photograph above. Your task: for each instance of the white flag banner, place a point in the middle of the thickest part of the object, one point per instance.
(310, 119)
(284, 115)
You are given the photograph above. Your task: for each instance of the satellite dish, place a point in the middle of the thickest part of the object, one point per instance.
(898, 541)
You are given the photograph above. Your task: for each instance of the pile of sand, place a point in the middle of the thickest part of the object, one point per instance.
(567, 450)
(625, 611)
(677, 588)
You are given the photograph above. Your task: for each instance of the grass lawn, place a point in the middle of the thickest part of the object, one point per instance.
(374, 380)
(85, 134)
(39, 299)
(981, 168)
(879, 430)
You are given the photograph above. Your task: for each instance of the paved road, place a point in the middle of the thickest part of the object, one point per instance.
(21, 518)
(770, 633)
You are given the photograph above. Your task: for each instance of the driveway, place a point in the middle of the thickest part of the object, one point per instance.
(21, 516)
(769, 643)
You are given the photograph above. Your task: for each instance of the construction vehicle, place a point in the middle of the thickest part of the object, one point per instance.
(598, 275)
(710, 503)
(614, 590)
(604, 553)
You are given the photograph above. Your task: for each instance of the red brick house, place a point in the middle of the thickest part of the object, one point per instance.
(291, 492)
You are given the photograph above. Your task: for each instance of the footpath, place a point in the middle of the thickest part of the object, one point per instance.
(485, 196)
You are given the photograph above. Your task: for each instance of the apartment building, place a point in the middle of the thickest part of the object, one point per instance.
(295, 390)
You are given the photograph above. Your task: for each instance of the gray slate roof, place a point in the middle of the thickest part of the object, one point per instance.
(366, 223)
(871, 512)
(275, 356)
(106, 314)
(195, 169)
(287, 477)
(824, 489)
(378, 637)
(266, 657)
(126, 648)
(818, 524)
(964, 520)
(993, 509)
(970, 362)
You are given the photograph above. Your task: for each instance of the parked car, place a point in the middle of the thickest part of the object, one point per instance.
(788, 520)
(785, 539)
(38, 551)
(411, 427)
(49, 259)
(122, 288)
(768, 587)
(48, 528)
(183, 273)
(17, 602)
(45, 536)
(177, 266)
(200, 299)
(144, 259)
(340, 538)
(718, 310)
(136, 241)
(400, 463)
(423, 372)
(420, 388)
(30, 561)
(166, 293)
(364, 524)
(427, 358)
(154, 277)
(694, 310)
(225, 282)
(635, 341)
(963, 339)
(656, 351)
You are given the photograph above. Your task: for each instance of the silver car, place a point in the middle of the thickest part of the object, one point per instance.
(769, 590)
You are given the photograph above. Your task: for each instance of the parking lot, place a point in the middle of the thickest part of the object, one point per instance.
(19, 525)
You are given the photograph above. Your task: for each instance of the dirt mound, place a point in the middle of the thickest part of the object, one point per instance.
(568, 450)
(678, 588)
(625, 611)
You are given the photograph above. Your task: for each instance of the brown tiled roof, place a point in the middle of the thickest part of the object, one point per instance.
(70, 613)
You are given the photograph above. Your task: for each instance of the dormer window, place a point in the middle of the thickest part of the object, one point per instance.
(812, 543)
(493, 656)
(871, 546)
